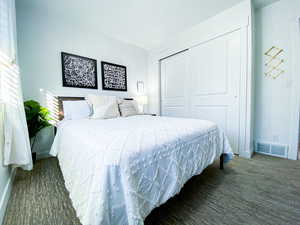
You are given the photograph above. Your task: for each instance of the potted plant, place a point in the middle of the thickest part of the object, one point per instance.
(37, 118)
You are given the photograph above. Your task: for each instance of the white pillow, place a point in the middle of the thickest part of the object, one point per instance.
(106, 111)
(76, 110)
(128, 108)
(104, 107)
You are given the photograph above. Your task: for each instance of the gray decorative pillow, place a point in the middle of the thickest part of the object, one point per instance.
(128, 108)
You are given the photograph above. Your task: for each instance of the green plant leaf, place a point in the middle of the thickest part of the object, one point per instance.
(37, 117)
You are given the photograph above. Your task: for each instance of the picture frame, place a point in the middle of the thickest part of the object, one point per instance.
(114, 76)
(79, 71)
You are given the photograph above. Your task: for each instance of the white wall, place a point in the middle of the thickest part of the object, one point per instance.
(275, 26)
(5, 172)
(43, 34)
(236, 18)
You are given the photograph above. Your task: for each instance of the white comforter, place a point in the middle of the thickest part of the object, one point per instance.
(118, 170)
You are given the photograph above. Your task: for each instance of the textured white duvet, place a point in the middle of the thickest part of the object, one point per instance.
(118, 170)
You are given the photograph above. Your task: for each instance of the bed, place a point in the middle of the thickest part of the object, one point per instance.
(118, 170)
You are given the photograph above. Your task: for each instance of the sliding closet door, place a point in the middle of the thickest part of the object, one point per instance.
(174, 83)
(214, 86)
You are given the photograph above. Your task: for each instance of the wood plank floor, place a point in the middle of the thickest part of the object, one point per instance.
(260, 191)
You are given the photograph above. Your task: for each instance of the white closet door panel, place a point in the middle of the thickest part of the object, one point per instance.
(215, 70)
(234, 75)
(203, 83)
(174, 85)
(208, 68)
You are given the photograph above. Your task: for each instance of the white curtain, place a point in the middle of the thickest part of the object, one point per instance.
(16, 149)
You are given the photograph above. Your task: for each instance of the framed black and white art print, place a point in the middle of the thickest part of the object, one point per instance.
(114, 77)
(78, 71)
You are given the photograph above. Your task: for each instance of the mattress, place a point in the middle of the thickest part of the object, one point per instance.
(118, 170)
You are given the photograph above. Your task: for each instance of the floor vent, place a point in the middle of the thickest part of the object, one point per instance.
(271, 149)
(263, 147)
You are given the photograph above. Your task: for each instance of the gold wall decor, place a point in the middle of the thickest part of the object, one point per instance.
(274, 62)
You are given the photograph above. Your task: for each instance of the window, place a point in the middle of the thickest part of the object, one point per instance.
(9, 81)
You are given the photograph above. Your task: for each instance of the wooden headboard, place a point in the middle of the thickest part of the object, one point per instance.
(65, 98)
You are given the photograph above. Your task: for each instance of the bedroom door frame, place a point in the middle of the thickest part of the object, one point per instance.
(295, 99)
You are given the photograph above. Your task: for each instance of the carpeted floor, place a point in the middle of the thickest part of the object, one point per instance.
(263, 190)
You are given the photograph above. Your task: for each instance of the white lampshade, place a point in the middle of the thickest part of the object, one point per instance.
(142, 99)
(140, 87)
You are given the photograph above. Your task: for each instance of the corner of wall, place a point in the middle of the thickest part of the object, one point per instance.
(4, 197)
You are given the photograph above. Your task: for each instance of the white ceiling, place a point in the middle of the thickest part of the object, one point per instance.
(147, 23)
(144, 23)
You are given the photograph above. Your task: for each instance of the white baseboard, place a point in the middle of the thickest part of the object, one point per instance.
(6, 194)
